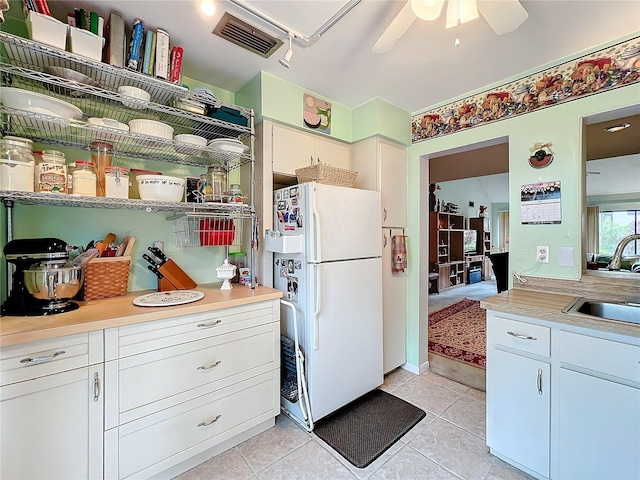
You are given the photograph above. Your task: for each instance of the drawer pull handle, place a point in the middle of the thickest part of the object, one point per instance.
(539, 381)
(43, 358)
(206, 423)
(96, 387)
(210, 366)
(523, 337)
(209, 325)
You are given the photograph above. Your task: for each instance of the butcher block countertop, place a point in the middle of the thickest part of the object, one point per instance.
(549, 306)
(118, 311)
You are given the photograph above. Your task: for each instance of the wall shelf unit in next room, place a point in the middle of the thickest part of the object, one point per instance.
(446, 248)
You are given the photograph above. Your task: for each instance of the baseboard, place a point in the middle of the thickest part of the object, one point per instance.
(416, 370)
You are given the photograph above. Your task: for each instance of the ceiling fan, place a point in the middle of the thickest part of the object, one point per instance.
(503, 16)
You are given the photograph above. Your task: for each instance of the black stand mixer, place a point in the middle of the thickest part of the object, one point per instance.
(44, 280)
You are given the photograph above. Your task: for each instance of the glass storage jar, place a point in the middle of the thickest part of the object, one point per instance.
(234, 195)
(84, 179)
(101, 156)
(70, 168)
(205, 191)
(16, 165)
(218, 182)
(116, 181)
(51, 172)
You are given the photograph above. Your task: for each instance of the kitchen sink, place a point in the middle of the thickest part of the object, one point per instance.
(620, 311)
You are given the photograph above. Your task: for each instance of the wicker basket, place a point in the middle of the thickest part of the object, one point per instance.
(106, 277)
(326, 174)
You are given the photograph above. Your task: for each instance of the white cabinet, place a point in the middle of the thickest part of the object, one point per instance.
(382, 166)
(292, 149)
(518, 413)
(563, 402)
(51, 409)
(394, 309)
(518, 393)
(180, 387)
(598, 401)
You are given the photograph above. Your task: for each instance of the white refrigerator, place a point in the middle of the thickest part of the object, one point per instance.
(327, 261)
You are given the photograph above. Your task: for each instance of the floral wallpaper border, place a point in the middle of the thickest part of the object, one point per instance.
(599, 71)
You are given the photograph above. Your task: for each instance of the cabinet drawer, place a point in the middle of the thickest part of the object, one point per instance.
(200, 423)
(144, 337)
(46, 357)
(606, 356)
(521, 336)
(159, 374)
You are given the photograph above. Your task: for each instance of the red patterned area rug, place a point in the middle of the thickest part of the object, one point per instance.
(460, 332)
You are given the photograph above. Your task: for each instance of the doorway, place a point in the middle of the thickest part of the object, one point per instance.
(467, 179)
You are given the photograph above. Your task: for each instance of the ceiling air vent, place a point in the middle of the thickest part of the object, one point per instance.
(246, 36)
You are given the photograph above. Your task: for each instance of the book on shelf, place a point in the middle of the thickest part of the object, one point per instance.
(135, 45)
(148, 46)
(152, 56)
(175, 74)
(162, 54)
(115, 40)
(42, 7)
(93, 22)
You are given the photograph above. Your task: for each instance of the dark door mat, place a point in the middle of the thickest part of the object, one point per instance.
(364, 429)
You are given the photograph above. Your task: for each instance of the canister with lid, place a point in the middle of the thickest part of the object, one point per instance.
(16, 165)
(84, 179)
(101, 156)
(218, 181)
(239, 259)
(116, 182)
(51, 172)
(235, 193)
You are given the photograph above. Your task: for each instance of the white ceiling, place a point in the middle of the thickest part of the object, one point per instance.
(422, 70)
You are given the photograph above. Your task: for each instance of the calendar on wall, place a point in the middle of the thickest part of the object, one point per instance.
(540, 203)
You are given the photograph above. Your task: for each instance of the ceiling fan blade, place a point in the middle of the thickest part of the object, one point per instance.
(395, 30)
(503, 16)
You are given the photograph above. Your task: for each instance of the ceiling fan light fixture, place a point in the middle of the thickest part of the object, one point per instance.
(208, 8)
(427, 9)
(461, 11)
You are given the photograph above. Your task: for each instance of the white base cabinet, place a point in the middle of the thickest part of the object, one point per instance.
(51, 409)
(178, 388)
(563, 402)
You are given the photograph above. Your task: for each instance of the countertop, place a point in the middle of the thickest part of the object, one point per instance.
(114, 312)
(549, 306)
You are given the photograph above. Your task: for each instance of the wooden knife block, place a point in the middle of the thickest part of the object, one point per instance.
(173, 278)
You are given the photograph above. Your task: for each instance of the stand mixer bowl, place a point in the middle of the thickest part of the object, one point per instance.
(55, 283)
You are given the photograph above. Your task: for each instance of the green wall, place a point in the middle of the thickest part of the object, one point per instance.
(561, 125)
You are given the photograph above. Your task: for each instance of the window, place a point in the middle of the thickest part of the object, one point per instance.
(614, 226)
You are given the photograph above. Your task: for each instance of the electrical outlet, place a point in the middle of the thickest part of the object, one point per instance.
(542, 254)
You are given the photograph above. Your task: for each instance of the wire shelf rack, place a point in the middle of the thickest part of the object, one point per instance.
(211, 209)
(203, 230)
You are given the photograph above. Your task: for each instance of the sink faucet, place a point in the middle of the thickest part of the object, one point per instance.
(614, 264)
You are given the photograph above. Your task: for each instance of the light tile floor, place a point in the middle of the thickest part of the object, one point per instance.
(448, 444)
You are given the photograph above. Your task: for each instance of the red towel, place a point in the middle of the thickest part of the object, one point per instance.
(398, 253)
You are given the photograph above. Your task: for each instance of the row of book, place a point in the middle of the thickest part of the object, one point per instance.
(150, 53)
(38, 6)
(86, 20)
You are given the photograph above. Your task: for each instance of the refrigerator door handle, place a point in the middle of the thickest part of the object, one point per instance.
(316, 312)
(315, 248)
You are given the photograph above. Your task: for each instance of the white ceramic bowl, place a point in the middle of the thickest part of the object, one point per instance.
(104, 128)
(161, 188)
(190, 144)
(137, 98)
(152, 128)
